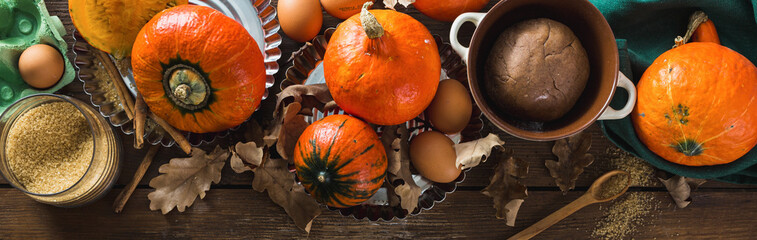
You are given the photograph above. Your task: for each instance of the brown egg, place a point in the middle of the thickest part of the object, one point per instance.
(41, 66)
(450, 111)
(301, 20)
(433, 155)
(343, 9)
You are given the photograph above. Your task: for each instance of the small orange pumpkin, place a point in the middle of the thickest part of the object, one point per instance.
(198, 69)
(697, 105)
(340, 161)
(448, 10)
(382, 66)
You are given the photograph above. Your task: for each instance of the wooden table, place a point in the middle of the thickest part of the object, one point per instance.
(232, 209)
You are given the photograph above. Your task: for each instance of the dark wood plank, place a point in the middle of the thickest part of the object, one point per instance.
(241, 213)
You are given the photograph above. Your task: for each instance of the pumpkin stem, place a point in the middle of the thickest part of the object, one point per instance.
(689, 147)
(370, 24)
(322, 177)
(186, 87)
(182, 91)
(696, 19)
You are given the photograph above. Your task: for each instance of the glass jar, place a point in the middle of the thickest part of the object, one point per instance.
(104, 165)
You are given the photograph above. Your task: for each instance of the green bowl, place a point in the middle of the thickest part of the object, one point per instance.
(623, 135)
(24, 23)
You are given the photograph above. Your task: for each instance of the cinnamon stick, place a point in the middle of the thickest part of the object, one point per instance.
(175, 134)
(140, 116)
(123, 197)
(123, 93)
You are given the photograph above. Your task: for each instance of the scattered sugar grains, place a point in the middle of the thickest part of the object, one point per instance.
(105, 84)
(627, 213)
(633, 209)
(642, 173)
(613, 186)
(50, 147)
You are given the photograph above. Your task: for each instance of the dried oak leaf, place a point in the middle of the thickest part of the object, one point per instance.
(253, 132)
(679, 188)
(572, 159)
(392, 199)
(293, 104)
(309, 96)
(395, 141)
(292, 127)
(391, 3)
(470, 154)
(247, 156)
(183, 179)
(506, 188)
(274, 176)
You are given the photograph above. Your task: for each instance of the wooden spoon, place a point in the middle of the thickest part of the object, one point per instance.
(591, 196)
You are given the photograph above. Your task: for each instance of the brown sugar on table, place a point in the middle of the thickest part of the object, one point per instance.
(626, 214)
(50, 147)
(106, 85)
(613, 186)
(642, 173)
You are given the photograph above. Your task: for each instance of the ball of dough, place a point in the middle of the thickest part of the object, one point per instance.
(536, 70)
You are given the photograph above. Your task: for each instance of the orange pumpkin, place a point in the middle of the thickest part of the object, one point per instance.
(340, 161)
(386, 72)
(198, 69)
(448, 10)
(112, 25)
(696, 105)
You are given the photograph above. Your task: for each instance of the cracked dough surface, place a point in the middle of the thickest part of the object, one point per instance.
(537, 70)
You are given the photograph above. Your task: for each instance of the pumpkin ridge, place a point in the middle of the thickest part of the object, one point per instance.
(333, 140)
(229, 60)
(315, 154)
(144, 63)
(374, 180)
(719, 134)
(714, 99)
(351, 159)
(669, 76)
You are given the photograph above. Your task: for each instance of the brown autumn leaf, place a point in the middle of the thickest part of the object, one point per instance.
(183, 179)
(293, 104)
(253, 132)
(292, 127)
(506, 189)
(274, 177)
(395, 141)
(391, 3)
(679, 187)
(247, 156)
(572, 159)
(392, 199)
(309, 96)
(470, 154)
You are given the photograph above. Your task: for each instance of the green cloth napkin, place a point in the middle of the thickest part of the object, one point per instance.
(646, 29)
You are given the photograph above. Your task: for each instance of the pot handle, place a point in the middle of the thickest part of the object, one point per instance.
(473, 17)
(612, 114)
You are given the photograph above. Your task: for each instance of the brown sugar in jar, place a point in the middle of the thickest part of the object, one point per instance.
(58, 150)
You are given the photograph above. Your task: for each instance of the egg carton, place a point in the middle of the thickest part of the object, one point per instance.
(24, 23)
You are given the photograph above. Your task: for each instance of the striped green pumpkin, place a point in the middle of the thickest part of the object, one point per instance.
(340, 161)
